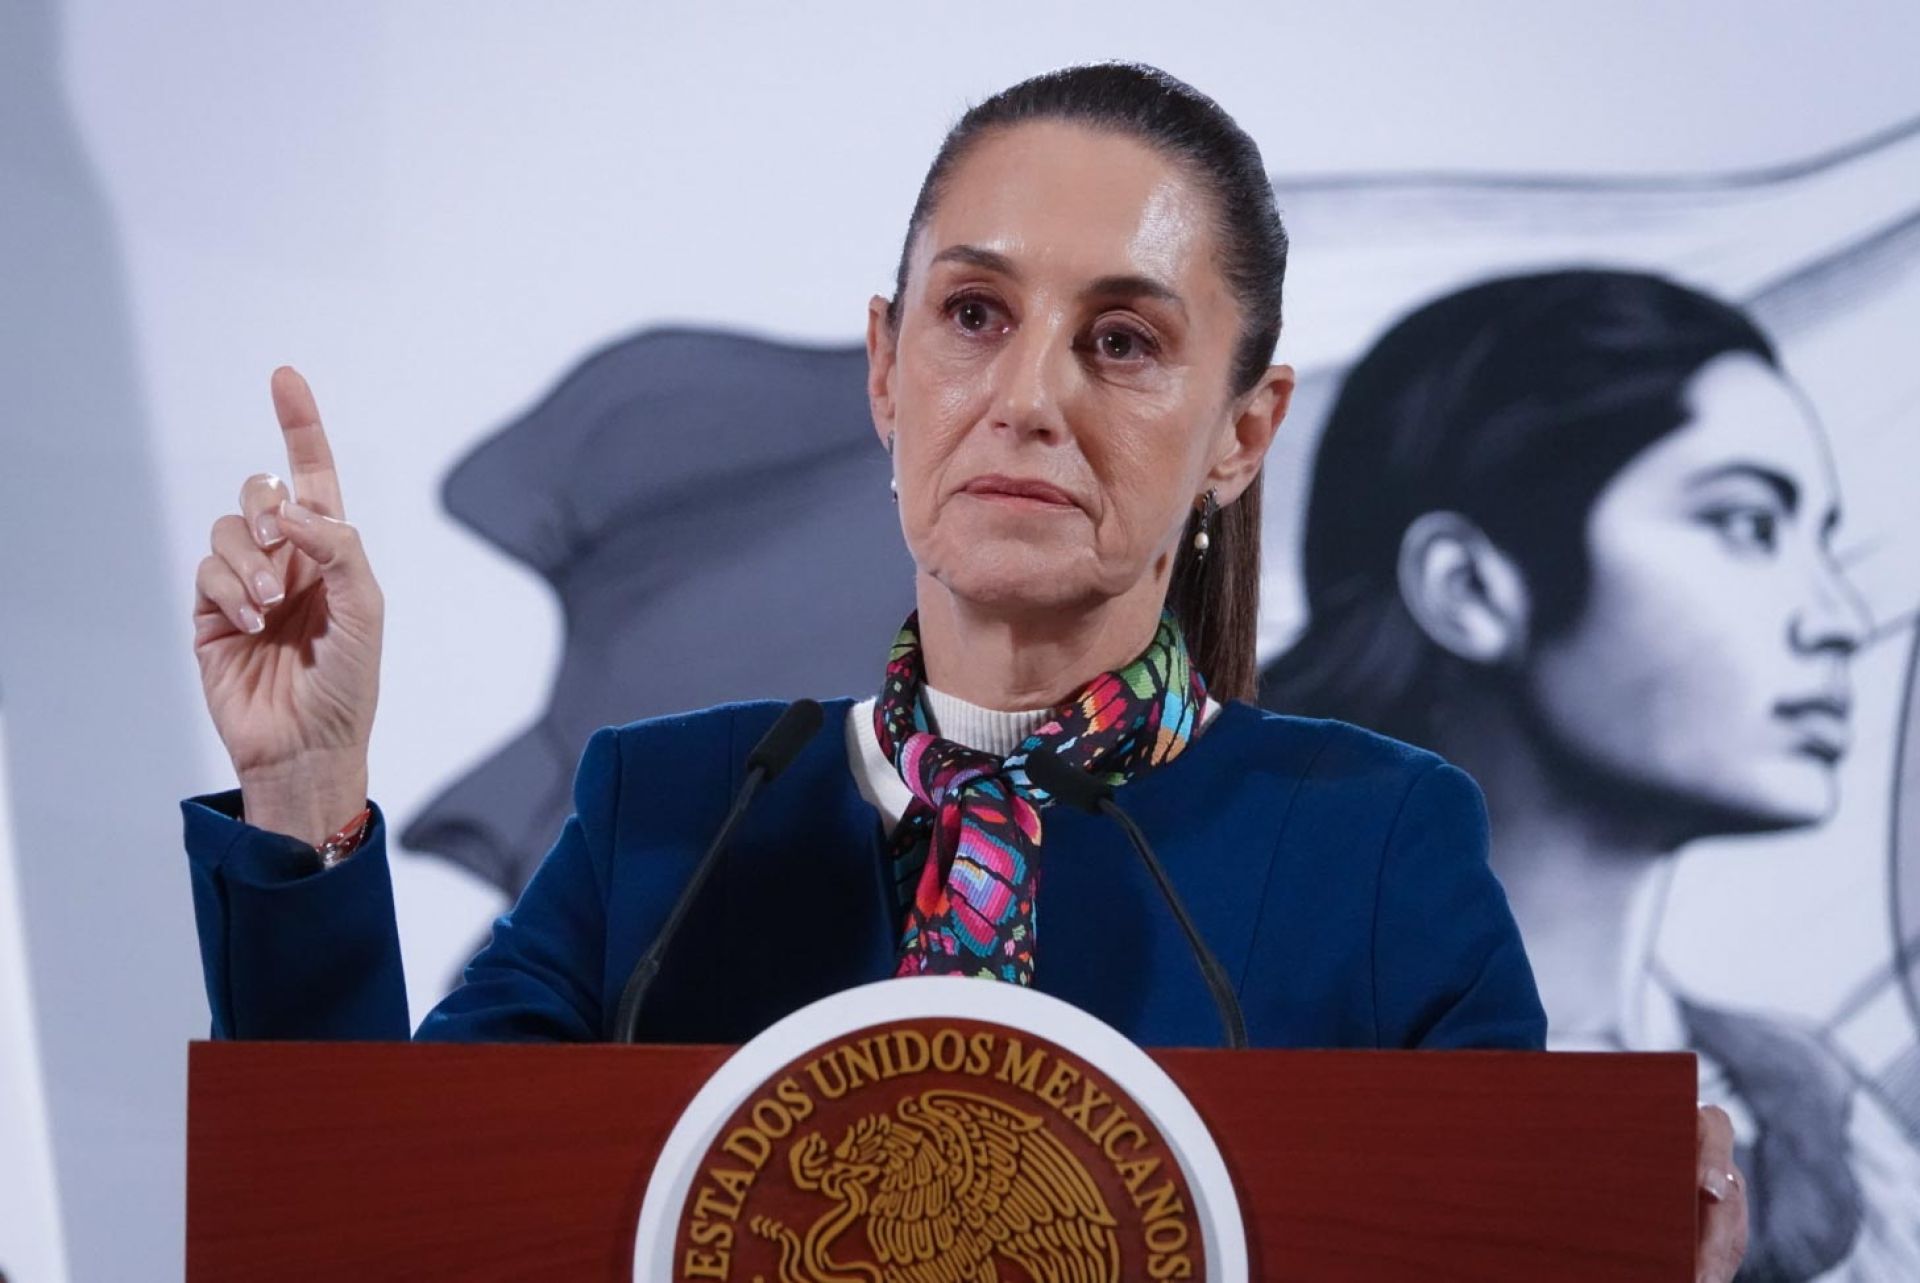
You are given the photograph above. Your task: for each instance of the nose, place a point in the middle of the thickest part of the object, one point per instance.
(1032, 379)
(1834, 619)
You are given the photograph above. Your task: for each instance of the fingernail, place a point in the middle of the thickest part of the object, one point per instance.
(250, 620)
(295, 513)
(266, 530)
(1715, 1184)
(266, 589)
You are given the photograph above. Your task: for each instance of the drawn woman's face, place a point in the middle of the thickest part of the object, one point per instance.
(1708, 665)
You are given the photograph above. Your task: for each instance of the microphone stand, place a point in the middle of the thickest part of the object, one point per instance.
(773, 754)
(1086, 792)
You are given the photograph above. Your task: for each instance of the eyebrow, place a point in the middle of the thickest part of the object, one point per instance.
(1782, 486)
(1131, 286)
(974, 256)
(1118, 285)
(1780, 483)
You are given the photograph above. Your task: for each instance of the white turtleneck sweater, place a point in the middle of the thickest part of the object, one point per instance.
(985, 729)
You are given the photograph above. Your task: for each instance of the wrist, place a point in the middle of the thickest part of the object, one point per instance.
(309, 798)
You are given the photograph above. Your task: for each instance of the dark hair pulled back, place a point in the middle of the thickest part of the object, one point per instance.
(1513, 402)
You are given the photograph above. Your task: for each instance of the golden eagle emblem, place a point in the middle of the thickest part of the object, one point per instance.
(946, 1188)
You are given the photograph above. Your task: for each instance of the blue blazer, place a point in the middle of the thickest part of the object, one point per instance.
(1340, 876)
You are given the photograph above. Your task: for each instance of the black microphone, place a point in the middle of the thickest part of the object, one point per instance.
(1089, 793)
(772, 755)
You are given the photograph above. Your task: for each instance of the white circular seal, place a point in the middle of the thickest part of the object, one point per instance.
(1017, 1010)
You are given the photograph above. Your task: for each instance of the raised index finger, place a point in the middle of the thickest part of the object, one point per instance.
(309, 459)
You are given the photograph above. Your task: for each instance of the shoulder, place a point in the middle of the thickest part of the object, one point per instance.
(709, 744)
(1333, 754)
(715, 726)
(668, 781)
(1357, 791)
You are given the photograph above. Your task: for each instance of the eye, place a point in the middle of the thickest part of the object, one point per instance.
(1122, 343)
(974, 314)
(1747, 529)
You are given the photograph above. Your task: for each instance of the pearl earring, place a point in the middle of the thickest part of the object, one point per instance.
(893, 482)
(1208, 506)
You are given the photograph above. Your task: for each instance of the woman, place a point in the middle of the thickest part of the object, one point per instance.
(1573, 530)
(1072, 378)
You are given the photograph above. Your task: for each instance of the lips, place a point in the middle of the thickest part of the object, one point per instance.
(1820, 723)
(1025, 490)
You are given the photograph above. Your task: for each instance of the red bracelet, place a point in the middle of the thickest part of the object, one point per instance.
(345, 840)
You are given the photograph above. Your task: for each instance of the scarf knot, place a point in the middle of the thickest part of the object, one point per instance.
(966, 854)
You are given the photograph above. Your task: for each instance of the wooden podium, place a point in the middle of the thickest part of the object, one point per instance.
(417, 1161)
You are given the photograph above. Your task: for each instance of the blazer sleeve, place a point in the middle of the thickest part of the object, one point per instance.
(540, 976)
(1449, 968)
(288, 950)
(291, 952)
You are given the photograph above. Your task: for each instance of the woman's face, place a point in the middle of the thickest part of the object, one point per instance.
(1057, 390)
(1708, 665)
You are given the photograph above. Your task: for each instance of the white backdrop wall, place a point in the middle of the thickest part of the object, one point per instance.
(436, 209)
(29, 1217)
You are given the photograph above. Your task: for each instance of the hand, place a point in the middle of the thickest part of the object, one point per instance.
(286, 626)
(1723, 1201)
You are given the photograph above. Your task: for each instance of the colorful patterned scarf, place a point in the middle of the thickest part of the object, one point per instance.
(966, 854)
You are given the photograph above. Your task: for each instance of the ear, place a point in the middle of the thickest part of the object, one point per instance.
(882, 348)
(1463, 591)
(1252, 431)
